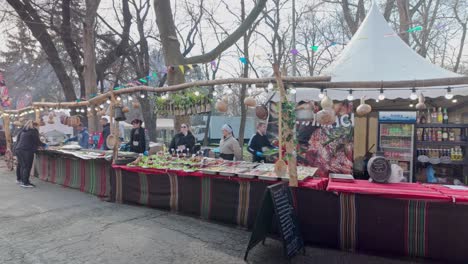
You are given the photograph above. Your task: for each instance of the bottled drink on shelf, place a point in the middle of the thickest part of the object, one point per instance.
(462, 134)
(440, 116)
(434, 115)
(439, 134)
(445, 116)
(445, 135)
(451, 135)
(422, 117)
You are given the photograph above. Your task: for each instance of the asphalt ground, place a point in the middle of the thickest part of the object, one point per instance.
(53, 224)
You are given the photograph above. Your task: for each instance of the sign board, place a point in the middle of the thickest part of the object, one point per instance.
(397, 117)
(277, 202)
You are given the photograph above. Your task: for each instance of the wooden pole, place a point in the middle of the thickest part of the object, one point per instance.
(285, 133)
(38, 115)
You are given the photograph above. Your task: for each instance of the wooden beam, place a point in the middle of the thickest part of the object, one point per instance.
(387, 84)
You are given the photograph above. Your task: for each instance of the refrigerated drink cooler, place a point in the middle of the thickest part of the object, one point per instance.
(396, 139)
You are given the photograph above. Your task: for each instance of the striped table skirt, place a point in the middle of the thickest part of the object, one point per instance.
(351, 222)
(91, 176)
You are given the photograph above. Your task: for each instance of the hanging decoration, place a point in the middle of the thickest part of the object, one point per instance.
(421, 105)
(363, 108)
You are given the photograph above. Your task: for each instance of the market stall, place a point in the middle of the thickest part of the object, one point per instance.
(88, 171)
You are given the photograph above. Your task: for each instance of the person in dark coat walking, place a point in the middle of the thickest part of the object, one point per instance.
(27, 143)
(137, 142)
(183, 141)
(105, 133)
(258, 142)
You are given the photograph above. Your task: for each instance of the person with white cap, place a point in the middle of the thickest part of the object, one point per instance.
(229, 147)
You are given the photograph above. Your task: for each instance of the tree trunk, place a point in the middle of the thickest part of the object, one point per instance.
(245, 74)
(32, 19)
(89, 60)
(172, 55)
(149, 117)
(405, 20)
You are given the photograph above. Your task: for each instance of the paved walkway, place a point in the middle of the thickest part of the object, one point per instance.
(52, 224)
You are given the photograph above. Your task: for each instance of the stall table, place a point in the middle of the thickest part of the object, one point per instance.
(87, 175)
(400, 219)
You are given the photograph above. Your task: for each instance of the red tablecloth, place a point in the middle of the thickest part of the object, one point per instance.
(390, 190)
(311, 183)
(458, 196)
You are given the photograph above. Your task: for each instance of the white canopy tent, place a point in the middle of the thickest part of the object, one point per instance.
(377, 53)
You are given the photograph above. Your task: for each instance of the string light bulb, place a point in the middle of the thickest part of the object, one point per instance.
(89, 109)
(101, 106)
(292, 90)
(454, 100)
(411, 105)
(130, 98)
(108, 101)
(119, 98)
(321, 94)
(142, 95)
(449, 94)
(197, 93)
(413, 95)
(381, 95)
(270, 86)
(350, 95)
(215, 93)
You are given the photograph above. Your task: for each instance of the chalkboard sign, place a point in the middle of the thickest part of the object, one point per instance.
(278, 202)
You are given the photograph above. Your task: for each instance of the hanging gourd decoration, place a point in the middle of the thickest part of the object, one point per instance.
(363, 108)
(326, 102)
(421, 105)
(125, 109)
(250, 102)
(135, 104)
(327, 115)
(221, 106)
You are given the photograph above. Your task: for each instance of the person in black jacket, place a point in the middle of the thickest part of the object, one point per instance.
(257, 142)
(183, 141)
(27, 143)
(137, 137)
(105, 133)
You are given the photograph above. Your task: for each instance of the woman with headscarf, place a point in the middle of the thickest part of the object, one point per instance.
(27, 143)
(229, 147)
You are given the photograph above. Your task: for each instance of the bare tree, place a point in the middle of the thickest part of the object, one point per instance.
(171, 44)
(463, 21)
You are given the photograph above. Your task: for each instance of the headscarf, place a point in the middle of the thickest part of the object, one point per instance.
(227, 127)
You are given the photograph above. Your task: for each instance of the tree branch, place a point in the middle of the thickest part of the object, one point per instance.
(232, 38)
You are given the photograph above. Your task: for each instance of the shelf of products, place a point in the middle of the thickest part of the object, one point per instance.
(440, 148)
(442, 143)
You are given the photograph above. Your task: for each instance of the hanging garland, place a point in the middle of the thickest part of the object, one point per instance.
(192, 101)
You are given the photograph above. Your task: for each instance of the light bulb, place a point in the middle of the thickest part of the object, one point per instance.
(413, 95)
(97, 109)
(253, 86)
(411, 105)
(197, 93)
(119, 98)
(89, 109)
(270, 86)
(454, 100)
(101, 106)
(108, 101)
(130, 98)
(215, 93)
(350, 96)
(229, 91)
(249, 91)
(381, 95)
(292, 91)
(321, 94)
(377, 100)
(449, 94)
(142, 95)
